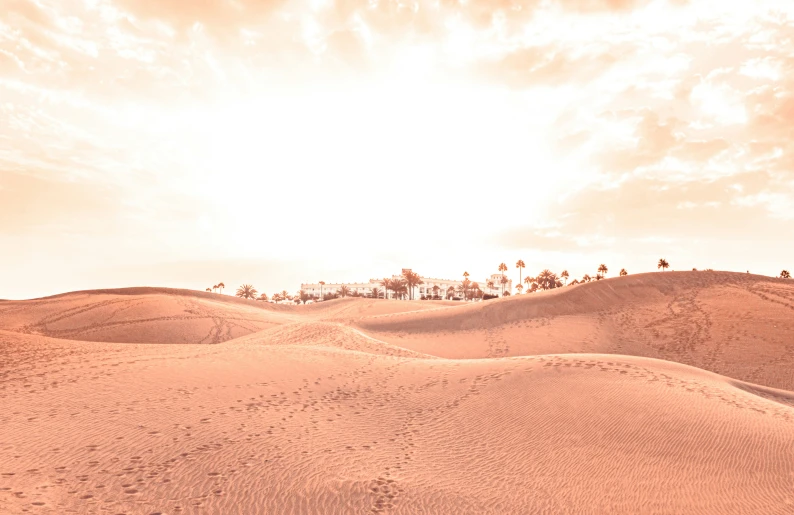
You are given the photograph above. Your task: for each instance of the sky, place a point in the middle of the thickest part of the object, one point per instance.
(185, 142)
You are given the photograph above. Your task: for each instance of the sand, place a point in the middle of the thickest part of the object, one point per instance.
(362, 406)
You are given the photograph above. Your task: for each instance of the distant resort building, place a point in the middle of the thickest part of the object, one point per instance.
(431, 287)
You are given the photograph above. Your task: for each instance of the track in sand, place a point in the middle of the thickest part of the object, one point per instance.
(519, 405)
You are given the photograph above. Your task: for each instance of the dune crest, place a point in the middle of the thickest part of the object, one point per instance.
(737, 325)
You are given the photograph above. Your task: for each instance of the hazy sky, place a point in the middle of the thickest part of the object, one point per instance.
(186, 142)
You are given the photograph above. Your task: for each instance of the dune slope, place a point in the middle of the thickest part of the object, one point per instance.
(311, 410)
(141, 315)
(256, 428)
(738, 325)
(167, 315)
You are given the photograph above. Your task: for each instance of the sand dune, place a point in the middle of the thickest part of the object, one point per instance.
(167, 315)
(311, 414)
(142, 315)
(349, 309)
(738, 325)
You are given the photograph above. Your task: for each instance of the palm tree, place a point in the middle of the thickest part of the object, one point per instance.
(209, 290)
(387, 285)
(435, 290)
(303, 296)
(214, 287)
(450, 292)
(602, 269)
(785, 274)
(262, 297)
(343, 291)
(520, 288)
(412, 280)
(548, 280)
(490, 284)
(375, 292)
(476, 291)
(564, 276)
(399, 287)
(464, 288)
(503, 269)
(586, 278)
(246, 291)
(623, 272)
(466, 275)
(520, 265)
(322, 283)
(663, 264)
(221, 286)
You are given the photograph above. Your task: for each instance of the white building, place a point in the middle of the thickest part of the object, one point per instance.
(429, 287)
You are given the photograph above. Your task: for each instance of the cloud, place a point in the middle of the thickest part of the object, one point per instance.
(30, 203)
(735, 208)
(591, 124)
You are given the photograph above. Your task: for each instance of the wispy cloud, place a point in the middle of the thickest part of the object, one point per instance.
(233, 129)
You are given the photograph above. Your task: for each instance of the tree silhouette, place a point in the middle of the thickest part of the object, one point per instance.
(528, 281)
(343, 291)
(209, 290)
(785, 274)
(490, 284)
(464, 288)
(221, 286)
(262, 297)
(450, 292)
(399, 287)
(503, 269)
(663, 264)
(520, 265)
(602, 269)
(520, 288)
(435, 290)
(465, 285)
(375, 292)
(623, 272)
(548, 280)
(387, 285)
(586, 278)
(412, 280)
(303, 296)
(476, 291)
(285, 295)
(564, 276)
(246, 291)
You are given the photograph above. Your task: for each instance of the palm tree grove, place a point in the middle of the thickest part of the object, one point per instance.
(404, 286)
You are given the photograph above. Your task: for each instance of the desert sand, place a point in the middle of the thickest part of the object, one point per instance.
(654, 393)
